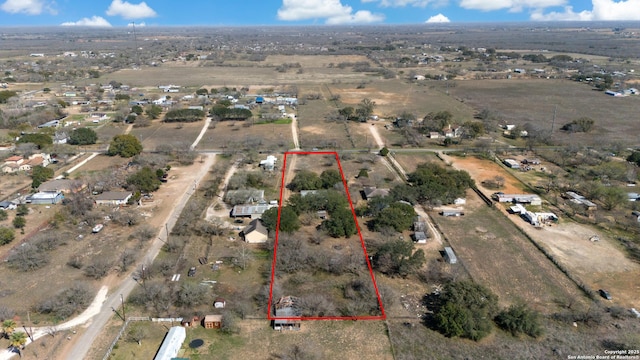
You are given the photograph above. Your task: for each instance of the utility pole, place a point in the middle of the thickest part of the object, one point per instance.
(124, 316)
(135, 42)
(553, 123)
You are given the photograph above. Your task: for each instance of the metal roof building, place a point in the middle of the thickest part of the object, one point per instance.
(171, 344)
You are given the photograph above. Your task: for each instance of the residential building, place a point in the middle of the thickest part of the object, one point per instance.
(251, 211)
(113, 198)
(171, 344)
(255, 233)
(372, 191)
(531, 199)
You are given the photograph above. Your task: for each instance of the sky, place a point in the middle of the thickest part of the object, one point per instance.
(118, 13)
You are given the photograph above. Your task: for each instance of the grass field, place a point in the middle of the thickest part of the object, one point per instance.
(161, 133)
(242, 73)
(614, 117)
(242, 135)
(498, 256)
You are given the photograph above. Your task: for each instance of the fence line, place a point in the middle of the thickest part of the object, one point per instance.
(122, 330)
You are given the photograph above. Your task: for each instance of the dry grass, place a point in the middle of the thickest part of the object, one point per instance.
(614, 117)
(498, 256)
(161, 133)
(242, 135)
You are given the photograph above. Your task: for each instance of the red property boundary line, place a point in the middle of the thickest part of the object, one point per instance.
(383, 316)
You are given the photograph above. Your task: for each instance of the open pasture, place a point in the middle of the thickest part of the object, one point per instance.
(534, 101)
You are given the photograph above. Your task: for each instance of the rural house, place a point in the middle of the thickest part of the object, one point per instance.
(420, 237)
(372, 191)
(251, 211)
(171, 344)
(219, 303)
(62, 185)
(113, 198)
(255, 232)
(531, 199)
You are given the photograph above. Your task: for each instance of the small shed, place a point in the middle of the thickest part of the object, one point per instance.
(449, 255)
(219, 303)
(212, 322)
(259, 99)
(452, 212)
(420, 237)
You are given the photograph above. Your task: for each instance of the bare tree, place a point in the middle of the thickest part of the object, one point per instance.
(244, 254)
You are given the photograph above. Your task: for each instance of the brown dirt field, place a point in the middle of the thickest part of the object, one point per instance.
(481, 170)
(498, 256)
(256, 74)
(236, 134)
(602, 264)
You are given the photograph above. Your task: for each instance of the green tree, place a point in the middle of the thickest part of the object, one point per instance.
(634, 157)
(41, 140)
(202, 91)
(83, 136)
(40, 174)
(365, 109)
(22, 210)
(329, 178)
(125, 146)
(384, 151)
(19, 222)
(305, 180)
(153, 111)
(340, 223)
(137, 109)
(466, 310)
(519, 319)
(398, 258)
(347, 112)
(5, 95)
(144, 180)
(398, 216)
(288, 219)
(473, 129)
(123, 97)
(6, 235)
(3, 215)
(612, 197)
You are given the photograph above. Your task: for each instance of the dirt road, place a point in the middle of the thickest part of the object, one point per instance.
(294, 132)
(82, 344)
(204, 130)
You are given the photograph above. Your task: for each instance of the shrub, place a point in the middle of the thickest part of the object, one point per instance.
(519, 319)
(66, 302)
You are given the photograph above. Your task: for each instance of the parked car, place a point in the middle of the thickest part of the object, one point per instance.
(605, 294)
(192, 271)
(96, 229)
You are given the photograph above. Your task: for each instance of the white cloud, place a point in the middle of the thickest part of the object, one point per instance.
(360, 17)
(332, 10)
(512, 5)
(603, 10)
(97, 21)
(130, 11)
(29, 7)
(438, 19)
